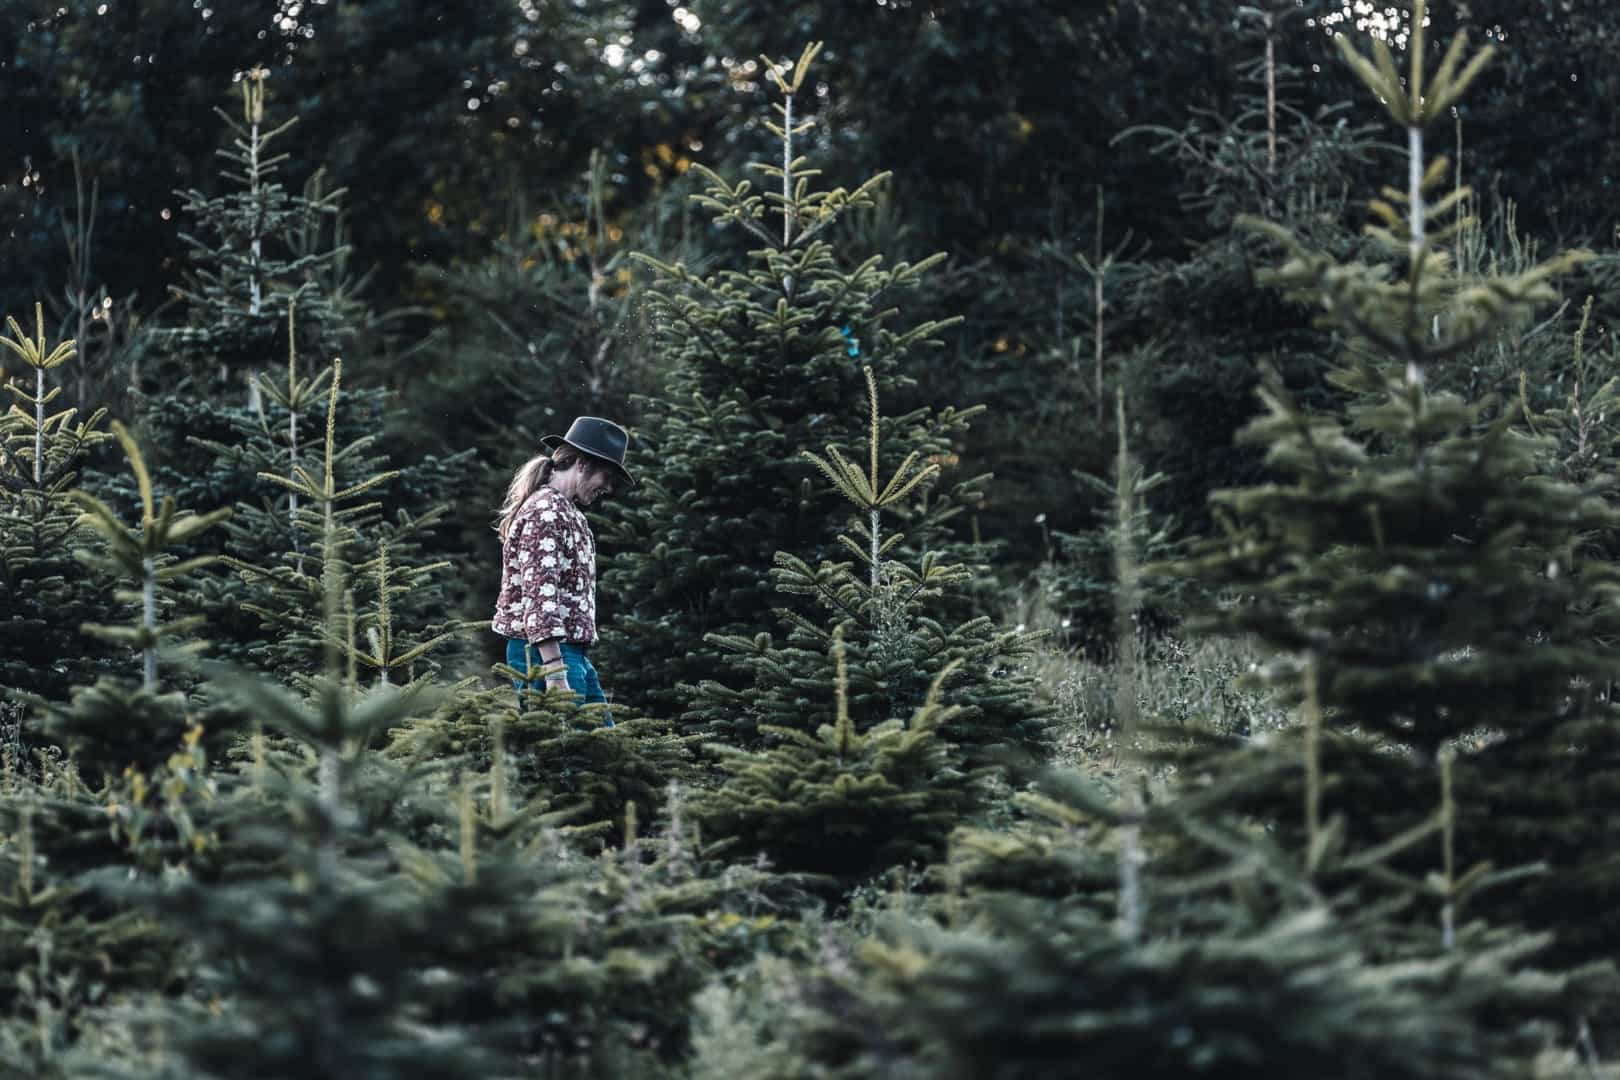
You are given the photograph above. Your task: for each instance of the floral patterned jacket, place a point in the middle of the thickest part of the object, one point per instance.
(548, 573)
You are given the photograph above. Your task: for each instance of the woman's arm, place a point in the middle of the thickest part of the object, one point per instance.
(551, 662)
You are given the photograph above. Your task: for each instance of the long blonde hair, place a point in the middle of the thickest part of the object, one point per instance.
(527, 480)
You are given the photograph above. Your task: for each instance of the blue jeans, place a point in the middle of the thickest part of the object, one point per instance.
(582, 678)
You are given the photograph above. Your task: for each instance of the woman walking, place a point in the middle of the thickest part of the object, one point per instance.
(547, 605)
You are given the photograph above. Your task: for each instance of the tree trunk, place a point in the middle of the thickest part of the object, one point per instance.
(149, 622)
(39, 427)
(1414, 185)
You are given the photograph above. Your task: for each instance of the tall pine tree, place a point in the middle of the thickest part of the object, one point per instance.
(1419, 563)
(243, 272)
(766, 352)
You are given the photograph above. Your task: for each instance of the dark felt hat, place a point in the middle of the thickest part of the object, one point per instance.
(600, 439)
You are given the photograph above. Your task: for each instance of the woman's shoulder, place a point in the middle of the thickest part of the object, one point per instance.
(531, 509)
(552, 500)
(546, 505)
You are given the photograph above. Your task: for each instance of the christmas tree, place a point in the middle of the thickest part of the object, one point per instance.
(328, 519)
(244, 275)
(921, 713)
(117, 724)
(589, 773)
(766, 352)
(1417, 560)
(1273, 145)
(128, 794)
(47, 594)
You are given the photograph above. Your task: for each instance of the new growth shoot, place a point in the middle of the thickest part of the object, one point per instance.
(869, 491)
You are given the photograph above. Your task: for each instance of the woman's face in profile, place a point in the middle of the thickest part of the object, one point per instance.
(595, 481)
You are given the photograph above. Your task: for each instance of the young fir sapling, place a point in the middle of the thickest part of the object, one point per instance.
(42, 455)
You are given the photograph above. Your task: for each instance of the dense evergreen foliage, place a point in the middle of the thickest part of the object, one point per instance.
(764, 364)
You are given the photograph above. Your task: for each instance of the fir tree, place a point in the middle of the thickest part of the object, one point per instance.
(313, 945)
(411, 913)
(1418, 561)
(326, 519)
(1583, 419)
(244, 274)
(69, 951)
(1269, 146)
(1373, 879)
(899, 636)
(1248, 931)
(48, 596)
(129, 795)
(118, 723)
(842, 803)
(1245, 960)
(1081, 579)
(1033, 994)
(922, 713)
(77, 950)
(764, 353)
(587, 963)
(311, 939)
(233, 453)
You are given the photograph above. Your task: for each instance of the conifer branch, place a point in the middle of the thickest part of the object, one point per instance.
(1313, 765)
(137, 464)
(32, 351)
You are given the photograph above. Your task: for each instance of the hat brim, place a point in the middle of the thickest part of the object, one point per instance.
(551, 442)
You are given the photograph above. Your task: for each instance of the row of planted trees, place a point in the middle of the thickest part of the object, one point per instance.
(837, 849)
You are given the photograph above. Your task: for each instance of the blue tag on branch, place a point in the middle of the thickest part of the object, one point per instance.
(854, 342)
